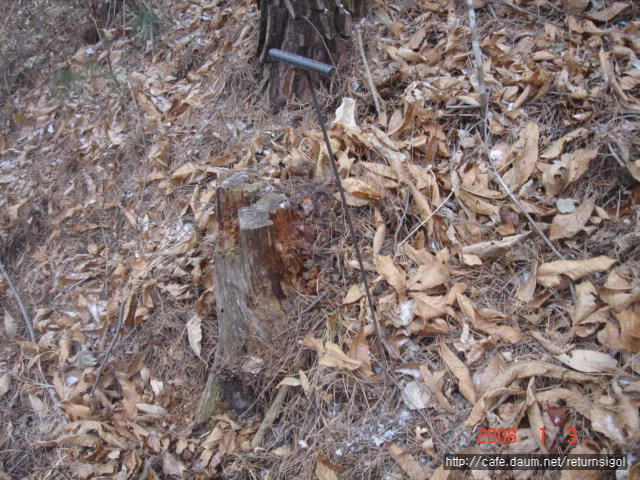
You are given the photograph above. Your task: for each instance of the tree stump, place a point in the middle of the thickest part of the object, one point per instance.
(316, 29)
(258, 260)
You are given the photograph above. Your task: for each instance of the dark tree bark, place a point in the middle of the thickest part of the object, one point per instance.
(316, 29)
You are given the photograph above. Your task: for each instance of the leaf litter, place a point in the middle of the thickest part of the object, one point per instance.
(109, 201)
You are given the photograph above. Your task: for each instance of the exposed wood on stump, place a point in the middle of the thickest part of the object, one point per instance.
(252, 280)
(257, 262)
(317, 29)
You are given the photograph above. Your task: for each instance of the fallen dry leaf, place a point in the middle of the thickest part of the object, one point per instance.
(575, 6)
(588, 447)
(482, 379)
(527, 290)
(407, 462)
(609, 423)
(549, 274)
(391, 273)
(534, 414)
(560, 174)
(461, 372)
(429, 307)
(434, 384)
(5, 383)
(617, 292)
(325, 470)
(609, 13)
(289, 382)
(359, 352)
(155, 410)
(589, 361)
(416, 396)
(441, 474)
(381, 231)
(524, 164)
(171, 465)
(587, 314)
(422, 204)
(428, 276)
(509, 333)
(556, 148)
(346, 114)
(626, 408)
(493, 248)
(629, 320)
(330, 354)
(517, 371)
(360, 188)
(194, 333)
(476, 203)
(353, 294)
(569, 224)
(10, 325)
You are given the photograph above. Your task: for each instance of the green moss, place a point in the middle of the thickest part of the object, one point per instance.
(250, 187)
(147, 22)
(66, 80)
(229, 253)
(208, 406)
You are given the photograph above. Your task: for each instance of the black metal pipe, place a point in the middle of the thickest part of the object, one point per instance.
(352, 230)
(302, 62)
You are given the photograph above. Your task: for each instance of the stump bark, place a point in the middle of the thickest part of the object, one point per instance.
(258, 260)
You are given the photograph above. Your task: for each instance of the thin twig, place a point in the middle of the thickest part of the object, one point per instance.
(23, 310)
(482, 89)
(401, 222)
(367, 71)
(29, 380)
(484, 110)
(50, 389)
(270, 416)
(321, 37)
(520, 206)
(461, 107)
(71, 287)
(146, 162)
(615, 155)
(442, 204)
(32, 334)
(113, 344)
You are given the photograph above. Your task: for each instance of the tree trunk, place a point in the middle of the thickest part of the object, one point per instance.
(259, 256)
(316, 29)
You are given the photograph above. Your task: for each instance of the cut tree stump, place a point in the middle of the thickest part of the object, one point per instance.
(258, 260)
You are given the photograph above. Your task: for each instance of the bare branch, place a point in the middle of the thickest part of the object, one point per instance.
(484, 109)
(23, 310)
(367, 71)
(111, 345)
(270, 416)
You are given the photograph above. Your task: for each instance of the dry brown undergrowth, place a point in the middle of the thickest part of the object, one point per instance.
(107, 190)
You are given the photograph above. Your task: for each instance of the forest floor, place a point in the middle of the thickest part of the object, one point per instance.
(498, 339)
